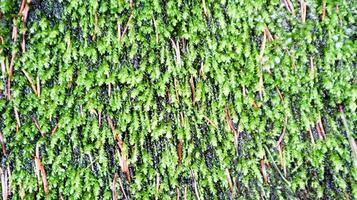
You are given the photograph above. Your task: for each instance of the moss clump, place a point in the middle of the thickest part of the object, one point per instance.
(178, 99)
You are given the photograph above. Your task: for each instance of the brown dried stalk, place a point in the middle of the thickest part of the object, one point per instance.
(23, 43)
(23, 3)
(229, 120)
(18, 123)
(303, 10)
(10, 71)
(4, 184)
(126, 27)
(122, 157)
(281, 158)
(231, 126)
(55, 129)
(118, 31)
(2, 140)
(319, 132)
(156, 32)
(24, 12)
(185, 196)
(244, 91)
(319, 122)
(157, 184)
(280, 94)
(323, 10)
(268, 34)
(202, 72)
(38, 126)
(204, 7)
(38, 86)
(122, 188)
(95, 26)
(178, 193)
(14, 30)
(289, 6)
(183, 121)
(40, 168)
(283, 132)
(176, 46)
(116, 137)
(99, 118)
(114, 191)
(179, 152)
(192, 84)
(263, 169)
(195, 185)
(210, 121)
(33, 86)
(229, 179)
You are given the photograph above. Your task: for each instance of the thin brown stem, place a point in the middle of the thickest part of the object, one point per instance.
(18, 123)
(204, 7)
(323, 10)
(303, 11)
(31, 82)
(23, 43)
(119, 31)
(156, 31)
(10, 71)
(210, 122)
(229, 180)
(126, 27)
(38, 126)
(122, 188)
(282, 160)
(179, 152)
(157, 183)
(289, 6)
(95, 27)
(55, 129)
(2, 140)
(263, 170)
(176, 46)
(195, 185)
(321, 127)
(192, 84)
(114, 191)
(283, 132)
(38, 86)
(178, 193)
(349, 136)
(14, 30)
(41, 169)
(4, 184)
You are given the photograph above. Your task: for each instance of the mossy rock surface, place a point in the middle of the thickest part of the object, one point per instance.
(149, 99)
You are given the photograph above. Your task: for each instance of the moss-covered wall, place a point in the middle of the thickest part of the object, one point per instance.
(173, 99)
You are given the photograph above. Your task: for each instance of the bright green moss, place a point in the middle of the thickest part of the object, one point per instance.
(188, 94)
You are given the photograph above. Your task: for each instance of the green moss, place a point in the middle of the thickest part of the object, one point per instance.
(188, 94)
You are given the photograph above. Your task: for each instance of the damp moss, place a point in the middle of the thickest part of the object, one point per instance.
(178, 99)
